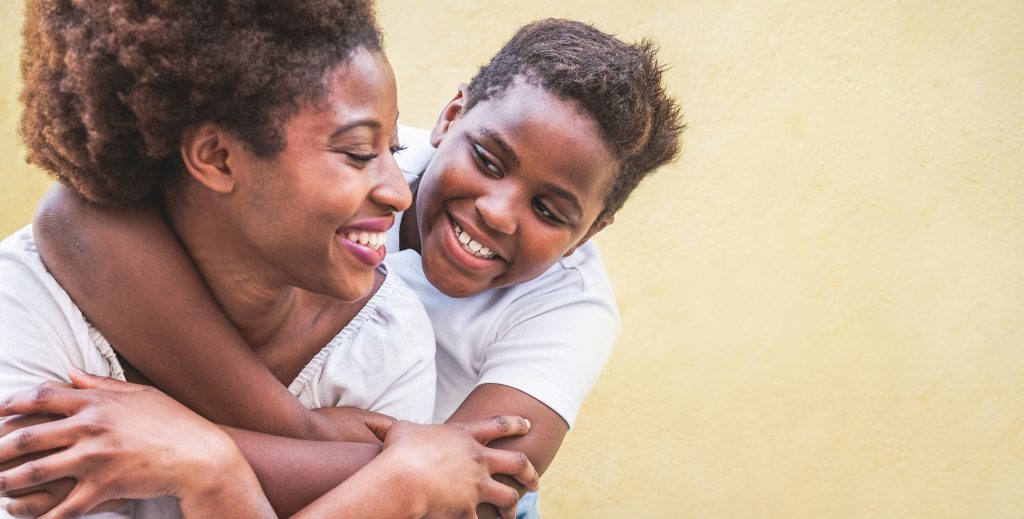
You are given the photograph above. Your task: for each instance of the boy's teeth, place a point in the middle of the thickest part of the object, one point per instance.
(372, 240)
(470, 245)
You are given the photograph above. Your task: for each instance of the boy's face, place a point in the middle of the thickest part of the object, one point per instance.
(517, 182)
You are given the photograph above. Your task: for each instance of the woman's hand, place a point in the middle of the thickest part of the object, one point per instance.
(121, 440)
(434, 471)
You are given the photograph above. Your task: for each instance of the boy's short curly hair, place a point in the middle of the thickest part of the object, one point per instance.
(616, 83)
(110, 86)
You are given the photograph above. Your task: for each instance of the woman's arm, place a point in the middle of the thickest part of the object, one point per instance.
(126, 270)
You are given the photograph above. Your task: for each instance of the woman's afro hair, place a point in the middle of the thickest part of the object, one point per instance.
(110, 86)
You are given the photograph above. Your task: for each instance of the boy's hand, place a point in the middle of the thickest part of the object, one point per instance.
(351, 424)
(40, 499)
(460, 465)
(117, 440)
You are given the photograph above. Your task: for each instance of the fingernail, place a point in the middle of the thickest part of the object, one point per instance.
(4, 501)
(527, 423)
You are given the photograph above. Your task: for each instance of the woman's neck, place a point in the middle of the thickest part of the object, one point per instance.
(254, 298)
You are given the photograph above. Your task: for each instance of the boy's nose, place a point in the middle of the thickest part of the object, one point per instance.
(391, 188)
(497, 212)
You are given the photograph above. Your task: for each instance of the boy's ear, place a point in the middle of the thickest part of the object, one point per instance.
(602, 221)
(205, 151)
(449, 114)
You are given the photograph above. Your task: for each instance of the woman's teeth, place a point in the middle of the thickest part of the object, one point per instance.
(372, 240)
(470, 245)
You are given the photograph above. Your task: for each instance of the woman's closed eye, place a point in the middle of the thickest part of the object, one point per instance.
(366, 157)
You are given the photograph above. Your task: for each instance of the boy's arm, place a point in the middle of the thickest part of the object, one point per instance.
(547, 428)
(552, 348)
(126, 270)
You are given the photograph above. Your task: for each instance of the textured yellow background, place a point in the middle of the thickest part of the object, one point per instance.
(824, 299)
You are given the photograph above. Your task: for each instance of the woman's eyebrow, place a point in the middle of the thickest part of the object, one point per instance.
(373, 124)
(500, 141)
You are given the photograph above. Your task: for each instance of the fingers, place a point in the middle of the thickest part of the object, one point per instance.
(50, 398)
(83, 380)
(37, 472)
(379, 424)
(42, 437)
(495, 427)
(16, 422)
(30, 505)
(81, 500)
(502, 496)
(512, 463)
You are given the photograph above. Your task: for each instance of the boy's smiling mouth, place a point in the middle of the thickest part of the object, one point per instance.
(470, 244)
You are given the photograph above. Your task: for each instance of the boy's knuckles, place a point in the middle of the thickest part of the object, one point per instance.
(35, 472)
(24, 439)
(511, 498)
(42, 394)
(94, 458)
(522, 462)
(501, 424)
(93, 426)
(478, 455)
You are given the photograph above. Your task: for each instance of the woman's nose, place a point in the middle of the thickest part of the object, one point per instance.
(391, 189)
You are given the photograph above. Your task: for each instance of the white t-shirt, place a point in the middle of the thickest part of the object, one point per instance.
(549, 337)
(382, 361)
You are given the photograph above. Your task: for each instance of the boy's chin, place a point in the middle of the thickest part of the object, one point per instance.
(452, 285)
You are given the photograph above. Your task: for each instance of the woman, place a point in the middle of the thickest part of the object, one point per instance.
(265, 130)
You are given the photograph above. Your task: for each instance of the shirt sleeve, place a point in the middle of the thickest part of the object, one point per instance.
(554, 351)
(33, 332)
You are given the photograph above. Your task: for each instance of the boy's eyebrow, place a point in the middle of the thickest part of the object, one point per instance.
(497, 138)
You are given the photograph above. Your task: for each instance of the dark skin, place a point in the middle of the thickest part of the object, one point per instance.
(118, 246)
(541, 245)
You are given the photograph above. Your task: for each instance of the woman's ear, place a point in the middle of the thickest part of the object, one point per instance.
(450, 112)
(205, 151)
(602, 221)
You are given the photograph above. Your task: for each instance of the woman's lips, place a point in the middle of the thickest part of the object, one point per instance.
(368, 254)
(365, 239)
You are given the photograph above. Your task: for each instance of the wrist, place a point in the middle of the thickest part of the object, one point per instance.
(394, 471)
(204, 477)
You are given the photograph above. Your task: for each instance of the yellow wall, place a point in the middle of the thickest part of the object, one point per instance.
(823, 301)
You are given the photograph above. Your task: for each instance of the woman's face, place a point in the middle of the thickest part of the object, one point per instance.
(314, 215)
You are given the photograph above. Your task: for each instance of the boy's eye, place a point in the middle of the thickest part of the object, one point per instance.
(488, 166)
(397, 149)
(545, 212)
